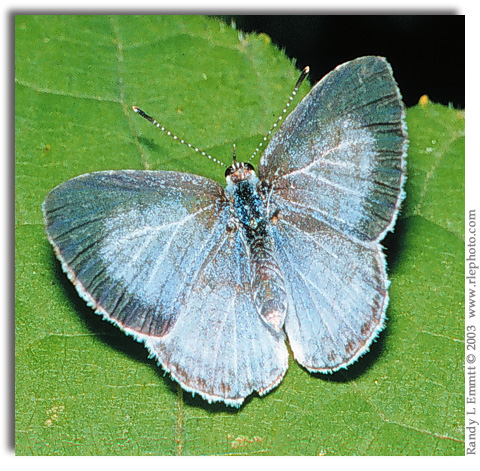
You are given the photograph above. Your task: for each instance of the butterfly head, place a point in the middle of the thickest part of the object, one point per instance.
(239, 171)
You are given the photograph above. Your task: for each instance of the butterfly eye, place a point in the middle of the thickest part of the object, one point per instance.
(228, 172)
(248, 166)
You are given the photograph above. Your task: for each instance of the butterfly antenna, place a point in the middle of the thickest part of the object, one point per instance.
(168, 133)
(300, 80)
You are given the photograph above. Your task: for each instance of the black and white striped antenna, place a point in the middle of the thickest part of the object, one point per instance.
(168, 133)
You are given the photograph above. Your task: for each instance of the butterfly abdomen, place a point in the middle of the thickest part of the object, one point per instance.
(268, 285)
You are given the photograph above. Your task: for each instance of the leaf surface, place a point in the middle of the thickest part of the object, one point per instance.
(82, 386)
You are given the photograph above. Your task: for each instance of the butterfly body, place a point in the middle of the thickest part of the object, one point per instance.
(214, 281)
(248, 199)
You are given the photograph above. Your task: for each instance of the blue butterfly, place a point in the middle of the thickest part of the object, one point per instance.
(214, 280)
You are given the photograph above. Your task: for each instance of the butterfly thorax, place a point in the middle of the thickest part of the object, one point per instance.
(248, 205)
(249, 213)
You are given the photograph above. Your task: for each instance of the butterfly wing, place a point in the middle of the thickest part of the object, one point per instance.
(336, 288)
(335, 172)
(341, 152)
(152, 253)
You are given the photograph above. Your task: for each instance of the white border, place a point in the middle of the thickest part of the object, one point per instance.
(467, 7)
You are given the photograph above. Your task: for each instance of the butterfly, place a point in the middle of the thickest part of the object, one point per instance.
(214, 280)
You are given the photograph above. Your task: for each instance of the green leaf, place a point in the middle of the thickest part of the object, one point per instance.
(82, 386)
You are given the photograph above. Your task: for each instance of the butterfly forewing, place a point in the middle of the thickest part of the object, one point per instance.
(340, 153)
(133, 241)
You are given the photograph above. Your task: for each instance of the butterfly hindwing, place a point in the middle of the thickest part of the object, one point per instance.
(220, 344)
(337, 291)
